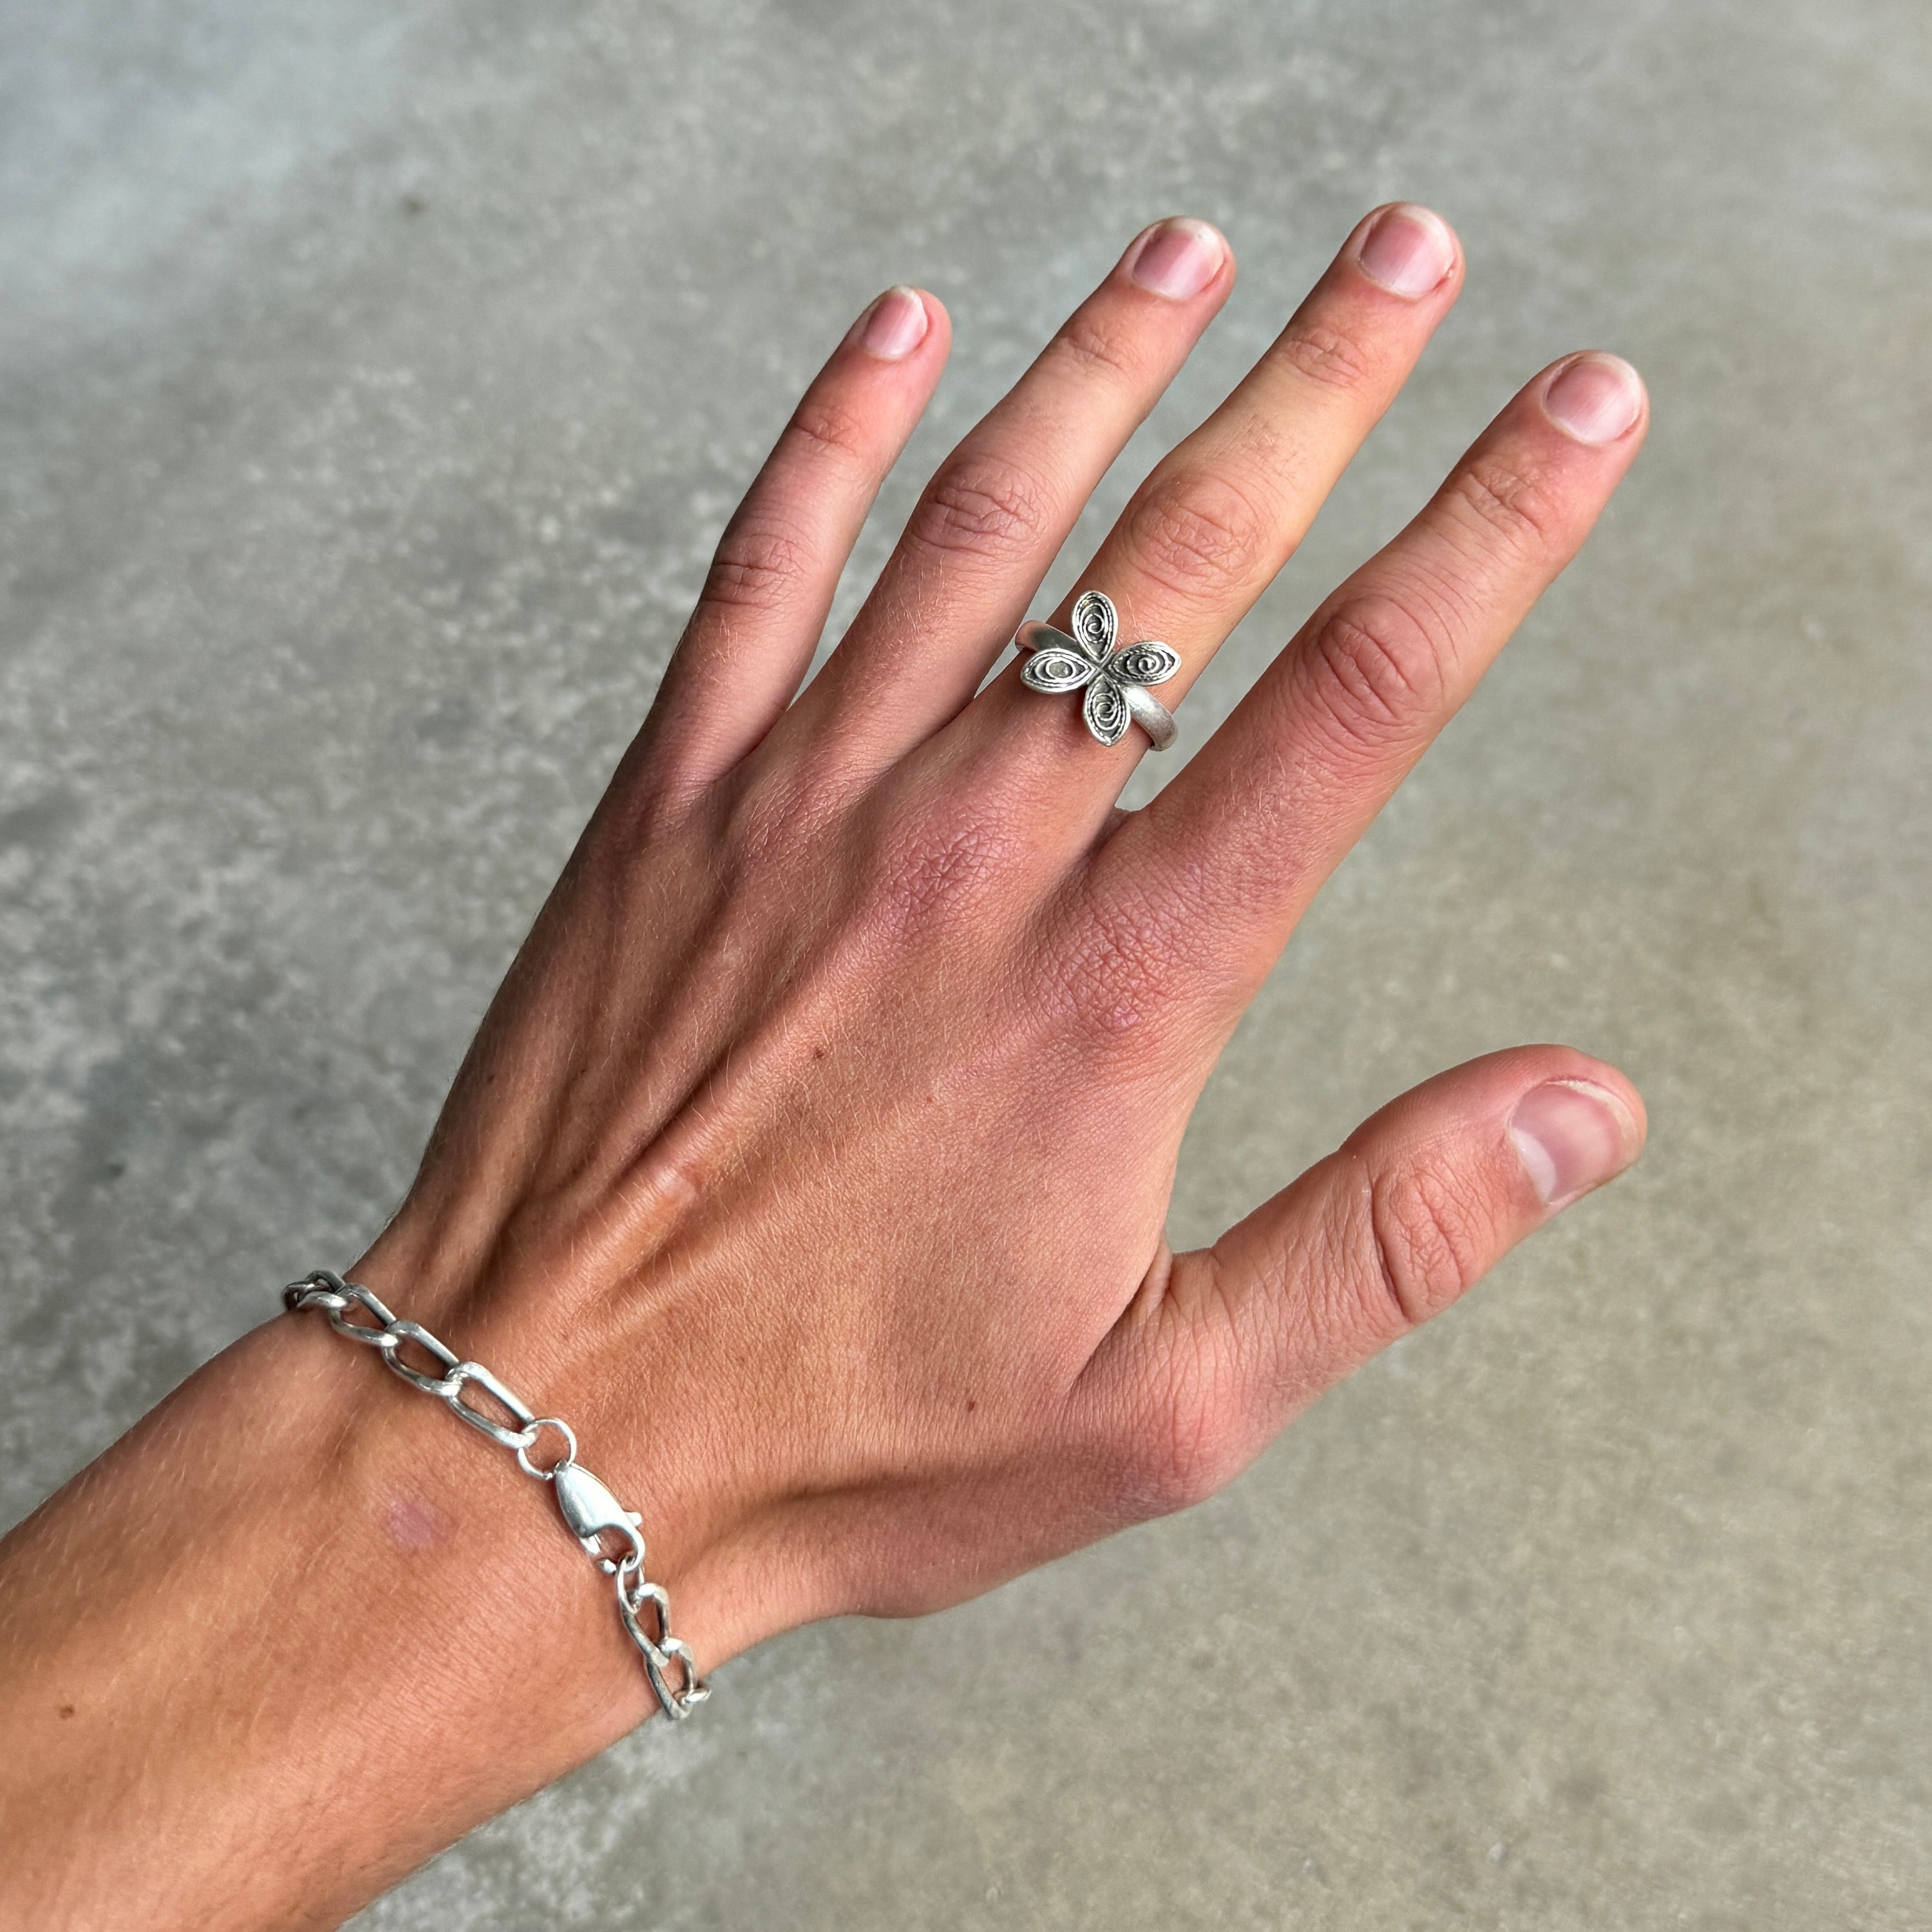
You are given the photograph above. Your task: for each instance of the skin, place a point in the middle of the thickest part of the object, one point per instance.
(813, 1159)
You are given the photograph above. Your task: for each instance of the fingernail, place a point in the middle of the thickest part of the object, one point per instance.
(1178, 259)
(895, 325)
(1408, 250)
(1571, 1137)
(1595, 397)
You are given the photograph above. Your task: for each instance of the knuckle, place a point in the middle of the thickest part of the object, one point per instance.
(822, 426)
(643, 811)
(1377, 664)
(772, 820)
(1425, 1234)
(1196, 535)
(758, 565)
(1507, 503)
(1325, 356)
(1114, 969)
(1094, 349)
(1192, 1441)
(942, 866)
(983, 507)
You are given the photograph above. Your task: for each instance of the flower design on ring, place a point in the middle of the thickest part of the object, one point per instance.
(1090, 658)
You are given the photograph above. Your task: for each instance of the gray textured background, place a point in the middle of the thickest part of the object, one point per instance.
(374, 381)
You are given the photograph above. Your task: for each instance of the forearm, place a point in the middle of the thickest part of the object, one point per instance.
(290, 1635)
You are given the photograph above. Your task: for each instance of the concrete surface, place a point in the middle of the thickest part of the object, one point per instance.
(374, 381)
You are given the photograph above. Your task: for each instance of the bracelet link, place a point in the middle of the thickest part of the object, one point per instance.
(460, 1378)
(410, 1331)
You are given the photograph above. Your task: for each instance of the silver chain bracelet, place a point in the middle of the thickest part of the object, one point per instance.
(588, 1507)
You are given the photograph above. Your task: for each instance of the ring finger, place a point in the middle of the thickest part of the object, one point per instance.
(1217, 518)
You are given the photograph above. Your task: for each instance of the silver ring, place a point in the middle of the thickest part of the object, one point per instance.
(1114, 676)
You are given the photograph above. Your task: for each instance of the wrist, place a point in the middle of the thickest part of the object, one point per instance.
(464, 1569)
(473, 1395)
(630, 1373)
(297, 1588)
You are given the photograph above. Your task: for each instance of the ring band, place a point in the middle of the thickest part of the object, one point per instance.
(1114, 676)
(1152, 716)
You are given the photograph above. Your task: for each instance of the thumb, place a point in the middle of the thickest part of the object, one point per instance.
(1412, 1210)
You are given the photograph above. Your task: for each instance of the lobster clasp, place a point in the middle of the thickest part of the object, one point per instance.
(590, 1510)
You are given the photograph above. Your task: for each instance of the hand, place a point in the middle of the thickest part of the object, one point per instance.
(814, 1159)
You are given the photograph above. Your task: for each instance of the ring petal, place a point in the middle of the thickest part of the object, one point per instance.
(1095, 624)
(1056, 669)
(1105, 711)
(1148, 663)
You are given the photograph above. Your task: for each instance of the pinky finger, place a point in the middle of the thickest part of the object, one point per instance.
(770, 586)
